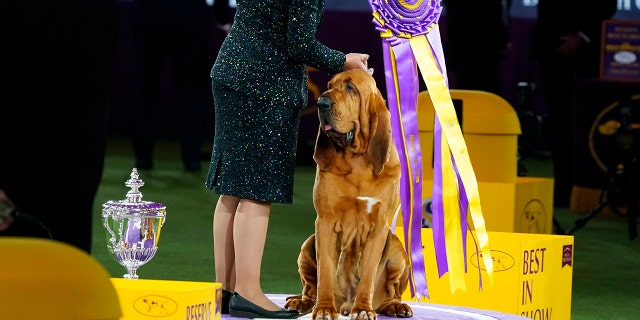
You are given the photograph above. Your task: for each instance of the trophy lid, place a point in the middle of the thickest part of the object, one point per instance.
(133, 204)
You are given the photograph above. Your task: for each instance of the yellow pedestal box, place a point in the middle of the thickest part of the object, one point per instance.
(168, 300)
(525, 205)
(533, 275)
(490, 127)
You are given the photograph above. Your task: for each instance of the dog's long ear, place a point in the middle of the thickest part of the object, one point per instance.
(379, 132)
(325, 152)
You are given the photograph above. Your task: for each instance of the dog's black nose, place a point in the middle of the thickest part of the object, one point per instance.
(324, 103)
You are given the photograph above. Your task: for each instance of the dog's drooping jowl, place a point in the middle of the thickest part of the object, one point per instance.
(353, 265)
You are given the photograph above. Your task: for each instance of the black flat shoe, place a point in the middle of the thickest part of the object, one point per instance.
(224, 308)
(240, 307)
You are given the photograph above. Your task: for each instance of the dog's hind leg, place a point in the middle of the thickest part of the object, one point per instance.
(308, 270)
(393, 279)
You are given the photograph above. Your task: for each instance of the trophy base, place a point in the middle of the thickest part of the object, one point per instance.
(150, 299)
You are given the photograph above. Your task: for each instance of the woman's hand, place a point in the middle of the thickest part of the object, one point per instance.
(356, 61)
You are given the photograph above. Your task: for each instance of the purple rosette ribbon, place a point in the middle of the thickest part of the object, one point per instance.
(407, 18)
(398, 21)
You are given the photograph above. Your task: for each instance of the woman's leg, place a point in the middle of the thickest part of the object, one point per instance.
(224, 257)
(249, 237)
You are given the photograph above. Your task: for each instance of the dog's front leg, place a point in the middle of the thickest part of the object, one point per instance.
(327, 257)
(371, 256)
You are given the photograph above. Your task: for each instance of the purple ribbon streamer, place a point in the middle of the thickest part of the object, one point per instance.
(405, 130)
(438, 210)
(437, 206)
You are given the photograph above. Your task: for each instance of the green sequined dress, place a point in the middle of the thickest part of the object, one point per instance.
(259, 85)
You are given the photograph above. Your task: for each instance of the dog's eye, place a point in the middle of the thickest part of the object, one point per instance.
(350, 87)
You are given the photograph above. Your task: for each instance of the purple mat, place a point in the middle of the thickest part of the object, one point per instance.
(425, 311)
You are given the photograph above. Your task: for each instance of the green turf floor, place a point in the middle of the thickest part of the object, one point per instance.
(606, 274)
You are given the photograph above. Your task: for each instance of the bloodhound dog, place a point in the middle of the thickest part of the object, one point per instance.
(353, 264)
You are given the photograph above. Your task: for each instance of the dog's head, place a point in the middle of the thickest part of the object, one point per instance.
(353, 116)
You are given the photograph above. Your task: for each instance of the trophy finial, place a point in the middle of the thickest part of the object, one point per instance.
(134, 195)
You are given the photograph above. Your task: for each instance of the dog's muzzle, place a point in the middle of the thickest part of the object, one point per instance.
(325, 105)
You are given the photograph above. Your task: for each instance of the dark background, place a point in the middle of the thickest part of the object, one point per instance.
(347, 27)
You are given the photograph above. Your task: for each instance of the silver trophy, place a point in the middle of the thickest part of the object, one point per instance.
(133, 227)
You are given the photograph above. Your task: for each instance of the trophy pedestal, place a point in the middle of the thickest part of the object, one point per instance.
(168, 300)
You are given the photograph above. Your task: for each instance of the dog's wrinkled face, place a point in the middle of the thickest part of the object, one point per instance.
(341, 106)
(354, 119)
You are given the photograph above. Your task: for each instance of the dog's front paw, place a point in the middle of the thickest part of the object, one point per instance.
(363, 315)
(323, 313)
(300, 304)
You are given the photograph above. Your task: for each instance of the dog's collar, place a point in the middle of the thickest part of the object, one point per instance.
(349, 137)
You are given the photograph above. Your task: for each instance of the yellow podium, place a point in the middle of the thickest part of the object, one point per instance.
(525, 205)
(533, 275)
(48, 279)
(168, 300)
(491, 127)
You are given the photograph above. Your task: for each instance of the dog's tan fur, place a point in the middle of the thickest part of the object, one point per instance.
(353, 264)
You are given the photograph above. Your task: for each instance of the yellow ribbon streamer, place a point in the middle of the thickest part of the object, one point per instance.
(443, 105)
(452, 221)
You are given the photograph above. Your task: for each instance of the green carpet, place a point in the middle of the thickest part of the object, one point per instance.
(606, 274)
